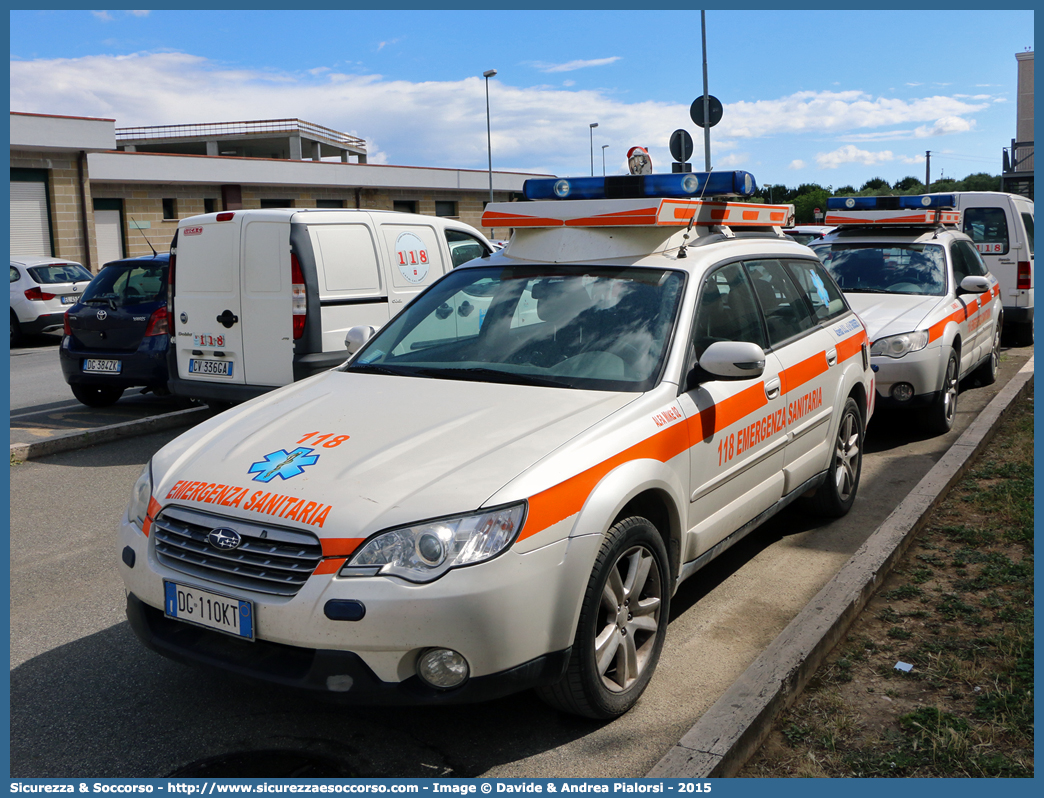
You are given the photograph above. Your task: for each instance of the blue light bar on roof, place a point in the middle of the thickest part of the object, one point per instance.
(929, 201)
(890, 203)
(691, 185)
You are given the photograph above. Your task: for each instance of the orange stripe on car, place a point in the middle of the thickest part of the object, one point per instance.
(329, 566)
(567, 498)
(340, 547)
(150, 514)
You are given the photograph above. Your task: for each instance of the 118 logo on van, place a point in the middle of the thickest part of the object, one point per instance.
(193, 231)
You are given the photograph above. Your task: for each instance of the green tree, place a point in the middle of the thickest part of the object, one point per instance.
(844, 191)
(875, 184)
(909, 185)
(806, 202)
(980, 181)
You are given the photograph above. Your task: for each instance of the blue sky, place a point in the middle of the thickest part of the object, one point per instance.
(833, 97)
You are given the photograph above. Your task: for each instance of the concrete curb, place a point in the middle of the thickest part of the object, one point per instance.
(20, 452)
(730, 732)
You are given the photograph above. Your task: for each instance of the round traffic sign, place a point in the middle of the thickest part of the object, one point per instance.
(714, 106)
(681, 145)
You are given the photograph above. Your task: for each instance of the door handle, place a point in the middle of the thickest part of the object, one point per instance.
(832, 357)
(772, 389)
(228, 318)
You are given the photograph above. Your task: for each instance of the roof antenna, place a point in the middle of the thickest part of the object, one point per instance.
(138, 228)
(692, 220)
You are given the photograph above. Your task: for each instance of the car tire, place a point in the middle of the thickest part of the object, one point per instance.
(16, 330)
(97, 395)
(616, 649)
(939, 417)
(835, 497)
(987, 372)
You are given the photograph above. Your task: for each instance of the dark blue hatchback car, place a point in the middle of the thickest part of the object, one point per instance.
(117, 335)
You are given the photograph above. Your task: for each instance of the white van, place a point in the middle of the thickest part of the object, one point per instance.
(261, 298)
(1001, 225)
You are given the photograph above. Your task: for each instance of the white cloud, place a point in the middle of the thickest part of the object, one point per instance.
(572, 66)
(944, 127)
(852, 154)
(105, 16)
(731, 161)
(139, 13)
(835, 112)
(797, 164)
(442, 123)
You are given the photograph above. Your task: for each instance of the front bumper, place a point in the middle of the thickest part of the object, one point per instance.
(924, 370)
(343, 675)
(512, 618)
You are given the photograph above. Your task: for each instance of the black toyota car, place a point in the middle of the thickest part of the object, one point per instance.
(117, 335)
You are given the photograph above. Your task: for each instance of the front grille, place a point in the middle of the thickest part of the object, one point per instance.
(271, 560)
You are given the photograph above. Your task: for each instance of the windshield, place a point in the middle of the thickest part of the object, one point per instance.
(121, 284)
(60, 273)
(885, 268)
(592, 327)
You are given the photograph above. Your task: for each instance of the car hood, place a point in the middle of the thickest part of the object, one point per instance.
(893, 314)
(398, 450)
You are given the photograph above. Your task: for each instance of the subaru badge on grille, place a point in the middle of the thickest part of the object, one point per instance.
(224, 538)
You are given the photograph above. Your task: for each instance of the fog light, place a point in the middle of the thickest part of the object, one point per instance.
(902, 392)
(442, 668)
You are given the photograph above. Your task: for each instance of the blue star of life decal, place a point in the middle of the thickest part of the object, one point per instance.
(283, 464)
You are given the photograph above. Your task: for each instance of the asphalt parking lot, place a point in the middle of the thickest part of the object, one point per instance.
(82, 686)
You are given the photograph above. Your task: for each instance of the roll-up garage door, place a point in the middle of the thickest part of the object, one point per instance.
(30, 226)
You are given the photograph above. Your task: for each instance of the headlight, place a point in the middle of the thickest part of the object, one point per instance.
(140, 495)
(899, 345)
(424, 552)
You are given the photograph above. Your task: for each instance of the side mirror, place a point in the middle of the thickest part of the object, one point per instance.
(975, 284)
(732, 360)
(357, 336)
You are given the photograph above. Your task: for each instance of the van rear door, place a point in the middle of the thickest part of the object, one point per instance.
(414, 260)
(208, 339)
(266, 321)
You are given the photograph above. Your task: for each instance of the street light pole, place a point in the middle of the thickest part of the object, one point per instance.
(603, 159)
(489, 140)
(593, 126)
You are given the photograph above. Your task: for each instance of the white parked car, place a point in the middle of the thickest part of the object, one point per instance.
(42, 289)
(931, 307)
(505, 485)
(807, 233)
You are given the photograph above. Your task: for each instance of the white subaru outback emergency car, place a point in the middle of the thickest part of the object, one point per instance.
(931, 307)
(503, 488)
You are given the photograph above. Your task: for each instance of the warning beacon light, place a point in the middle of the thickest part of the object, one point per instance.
(690, 185)
(919, 201)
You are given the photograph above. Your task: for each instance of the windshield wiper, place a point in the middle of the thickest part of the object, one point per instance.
(106, 299)
(480, 374)
(373, 368)
(867, 291)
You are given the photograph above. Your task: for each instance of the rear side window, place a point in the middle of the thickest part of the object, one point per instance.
(14, 275)
(819, 288)
(786, 314)
(1027, 221)
(988, 228)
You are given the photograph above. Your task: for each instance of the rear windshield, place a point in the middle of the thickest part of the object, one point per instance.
(988, 228)
(60, 273)
(128, 284)
(1027, 221)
